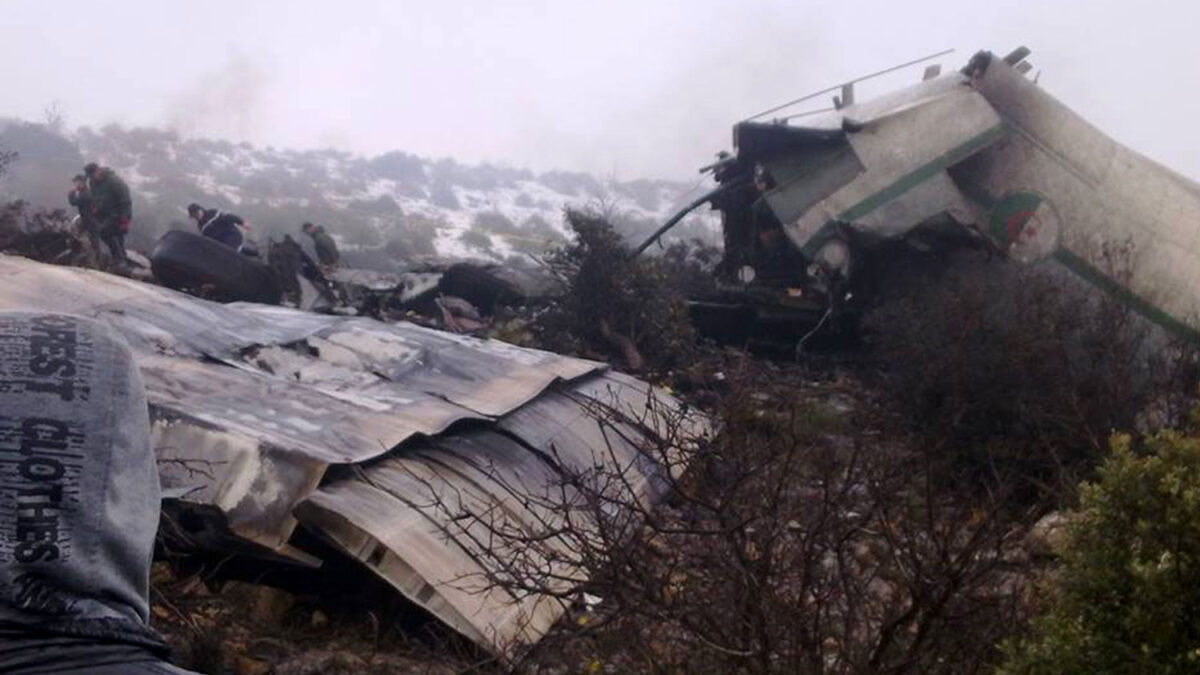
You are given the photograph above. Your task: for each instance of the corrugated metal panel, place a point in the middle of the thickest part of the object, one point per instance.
(248, 422)
(455, 492)
(255, 407)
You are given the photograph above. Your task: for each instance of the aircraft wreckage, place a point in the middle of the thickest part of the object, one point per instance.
(266, 419)
(980, 157)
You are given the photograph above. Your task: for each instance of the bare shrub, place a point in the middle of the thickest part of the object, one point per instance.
(796, 540)
(1018, 371)
(43, 235)
(493, 222)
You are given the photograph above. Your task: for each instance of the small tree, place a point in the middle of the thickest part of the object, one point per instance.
(615, 304)
(1126, 598)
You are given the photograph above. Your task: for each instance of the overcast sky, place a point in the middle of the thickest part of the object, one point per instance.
(631, 88)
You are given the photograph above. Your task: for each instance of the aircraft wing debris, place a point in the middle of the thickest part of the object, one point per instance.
(265, 417)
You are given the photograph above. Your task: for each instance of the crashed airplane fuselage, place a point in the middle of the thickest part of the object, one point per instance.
(981, 156)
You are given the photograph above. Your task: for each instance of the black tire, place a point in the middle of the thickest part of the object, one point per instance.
(188, 261)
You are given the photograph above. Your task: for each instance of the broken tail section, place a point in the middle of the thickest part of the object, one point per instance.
(981, 157)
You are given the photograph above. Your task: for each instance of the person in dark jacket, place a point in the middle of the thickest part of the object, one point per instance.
(289, 262)
(111, 206)
(79, 502)
(218, 225)
(284, 259)
(81, 198)
(327, 250)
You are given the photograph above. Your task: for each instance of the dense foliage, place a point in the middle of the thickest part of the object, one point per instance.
(1126, 597)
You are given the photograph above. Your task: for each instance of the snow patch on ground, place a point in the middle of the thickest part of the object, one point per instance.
(349, 182)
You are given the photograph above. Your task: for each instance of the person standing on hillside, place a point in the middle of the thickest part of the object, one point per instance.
(327, 250)
(112, 208)
(81, 198)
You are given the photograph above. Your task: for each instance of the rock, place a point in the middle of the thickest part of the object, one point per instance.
(160, 612)
(319, 619)
(248, 666)
(267, 605)
(324, 663)
(1047, 536)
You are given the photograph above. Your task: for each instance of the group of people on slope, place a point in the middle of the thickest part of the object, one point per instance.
(105, 208)
(229, 229)
(106, 211)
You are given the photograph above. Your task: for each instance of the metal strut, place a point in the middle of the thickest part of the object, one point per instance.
(705, 198)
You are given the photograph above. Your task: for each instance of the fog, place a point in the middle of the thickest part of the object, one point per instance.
(625, 88)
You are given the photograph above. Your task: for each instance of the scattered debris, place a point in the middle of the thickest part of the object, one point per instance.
(265, 418)
(461, 297)
(378, 292)
(489, 285)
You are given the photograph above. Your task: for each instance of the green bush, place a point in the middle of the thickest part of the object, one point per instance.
(1126, 597)
(615, 305)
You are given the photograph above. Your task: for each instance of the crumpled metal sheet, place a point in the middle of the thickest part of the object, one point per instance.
(355, 388)
(407, 286)
(265, 414)
(452, 489)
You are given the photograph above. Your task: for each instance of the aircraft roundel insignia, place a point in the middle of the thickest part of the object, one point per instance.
(1026, 225)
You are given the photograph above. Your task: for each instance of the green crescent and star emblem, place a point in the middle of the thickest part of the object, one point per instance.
(1025, 224)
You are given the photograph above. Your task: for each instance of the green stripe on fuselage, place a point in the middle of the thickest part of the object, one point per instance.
(1092, 275)
(903, 184)
(1137, 303)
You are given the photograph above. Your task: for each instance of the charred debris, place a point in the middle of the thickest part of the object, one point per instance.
(287, 435)
(463, 296)
(816, 206)
(300, 436)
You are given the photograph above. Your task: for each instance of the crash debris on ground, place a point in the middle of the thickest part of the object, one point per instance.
(267, 419)
(461, 296)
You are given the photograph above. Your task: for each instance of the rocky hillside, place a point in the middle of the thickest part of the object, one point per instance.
(382, 209)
